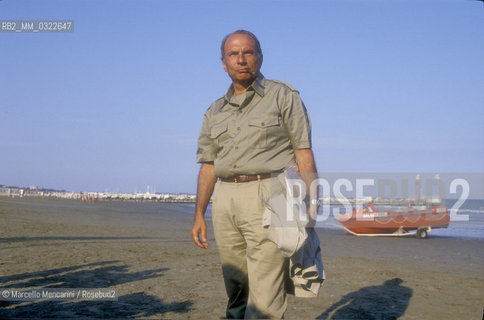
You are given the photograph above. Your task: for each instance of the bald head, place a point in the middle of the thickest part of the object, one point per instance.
(248, 33)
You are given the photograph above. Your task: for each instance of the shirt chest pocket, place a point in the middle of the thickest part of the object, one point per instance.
(265, 131)
(219, 133)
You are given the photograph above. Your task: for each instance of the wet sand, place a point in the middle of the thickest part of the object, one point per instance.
(144, 252)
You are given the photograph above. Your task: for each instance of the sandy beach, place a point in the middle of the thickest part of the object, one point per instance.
(145, 253)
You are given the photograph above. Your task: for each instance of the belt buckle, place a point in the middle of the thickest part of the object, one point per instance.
(242, 178)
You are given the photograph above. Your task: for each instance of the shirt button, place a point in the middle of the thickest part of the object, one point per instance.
(235, 166)
(262, 124)
(236, 148)
(238, 128)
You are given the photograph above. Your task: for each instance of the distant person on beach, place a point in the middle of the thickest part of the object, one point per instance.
(258, 128)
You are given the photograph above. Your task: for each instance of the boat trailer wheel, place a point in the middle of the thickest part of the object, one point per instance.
(422, 233)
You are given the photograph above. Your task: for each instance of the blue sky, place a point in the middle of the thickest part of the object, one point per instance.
(391, 86)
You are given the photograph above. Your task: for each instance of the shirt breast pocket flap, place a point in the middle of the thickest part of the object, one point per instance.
(217, 131)
(264, 123)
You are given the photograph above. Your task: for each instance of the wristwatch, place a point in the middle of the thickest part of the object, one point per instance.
(315, 202)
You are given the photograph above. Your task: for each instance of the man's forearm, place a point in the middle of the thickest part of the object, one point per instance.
(206, 183)
(307, 170)
(306, 166)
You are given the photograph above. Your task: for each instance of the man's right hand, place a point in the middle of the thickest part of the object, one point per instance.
(206, 183)
(199, 232)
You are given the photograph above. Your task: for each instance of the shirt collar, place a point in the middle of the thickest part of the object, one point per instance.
(257, 86)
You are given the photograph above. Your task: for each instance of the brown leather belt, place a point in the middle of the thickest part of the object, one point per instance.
(246, 178)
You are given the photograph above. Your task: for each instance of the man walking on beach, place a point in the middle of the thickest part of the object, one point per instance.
(258, 128)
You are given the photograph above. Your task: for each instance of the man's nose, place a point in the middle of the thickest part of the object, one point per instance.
(241, 58)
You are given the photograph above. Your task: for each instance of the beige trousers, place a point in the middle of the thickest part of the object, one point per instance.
(253, 267)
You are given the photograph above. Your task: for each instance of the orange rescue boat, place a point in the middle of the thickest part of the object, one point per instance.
(419, 220)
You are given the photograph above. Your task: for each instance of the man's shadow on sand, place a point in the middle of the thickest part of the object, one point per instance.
(386, 301)
(98, 275)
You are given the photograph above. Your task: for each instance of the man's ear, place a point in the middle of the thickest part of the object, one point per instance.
(224, 65)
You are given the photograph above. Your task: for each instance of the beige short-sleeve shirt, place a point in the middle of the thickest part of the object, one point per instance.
(255, 132)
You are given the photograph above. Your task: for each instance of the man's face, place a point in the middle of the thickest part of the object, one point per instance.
(241, 60)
